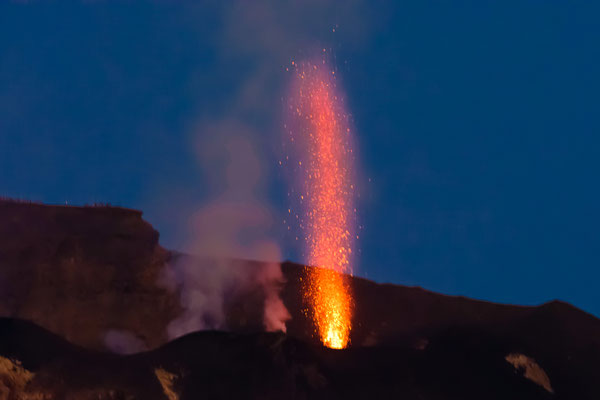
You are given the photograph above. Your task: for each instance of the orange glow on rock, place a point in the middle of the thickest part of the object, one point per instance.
(327, 218)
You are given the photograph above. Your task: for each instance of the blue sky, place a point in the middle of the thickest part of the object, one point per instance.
(476, 125)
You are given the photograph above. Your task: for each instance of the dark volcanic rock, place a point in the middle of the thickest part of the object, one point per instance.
(216, 365)
(564, 340)
(81, 271)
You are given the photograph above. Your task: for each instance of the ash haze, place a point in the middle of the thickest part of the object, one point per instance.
(476, 125)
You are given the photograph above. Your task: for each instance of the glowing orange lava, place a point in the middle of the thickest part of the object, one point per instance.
(323, 137)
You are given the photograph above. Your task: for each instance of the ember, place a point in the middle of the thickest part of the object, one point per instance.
(321, 139)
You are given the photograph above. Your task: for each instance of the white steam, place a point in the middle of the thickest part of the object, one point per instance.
(123, 342)
(261, 37)
(235, 225)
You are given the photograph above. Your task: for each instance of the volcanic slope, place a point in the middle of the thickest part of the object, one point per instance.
(218, 365)
(81, 271)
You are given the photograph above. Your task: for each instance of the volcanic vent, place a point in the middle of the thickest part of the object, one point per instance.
(320, 155)
(406, 341)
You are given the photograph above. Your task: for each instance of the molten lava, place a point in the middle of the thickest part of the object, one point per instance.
(320, 133)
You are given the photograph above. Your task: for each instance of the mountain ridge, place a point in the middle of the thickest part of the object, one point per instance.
(80, 272)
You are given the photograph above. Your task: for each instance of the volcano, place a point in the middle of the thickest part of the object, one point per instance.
(71, 275)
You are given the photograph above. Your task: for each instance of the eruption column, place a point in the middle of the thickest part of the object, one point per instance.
(322, 135)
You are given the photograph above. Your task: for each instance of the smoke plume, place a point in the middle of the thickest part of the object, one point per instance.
(123, 342)
(239, 131)
(234, 225)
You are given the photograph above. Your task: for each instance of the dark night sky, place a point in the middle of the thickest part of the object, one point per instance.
(477, 123)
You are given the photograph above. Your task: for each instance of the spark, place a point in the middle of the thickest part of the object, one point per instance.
(322, 139)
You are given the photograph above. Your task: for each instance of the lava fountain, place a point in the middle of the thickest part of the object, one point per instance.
(320, 137)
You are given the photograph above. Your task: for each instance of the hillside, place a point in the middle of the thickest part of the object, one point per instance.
(218, 365)
(82, 272)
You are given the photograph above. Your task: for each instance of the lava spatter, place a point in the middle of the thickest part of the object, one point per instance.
(319, 135)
